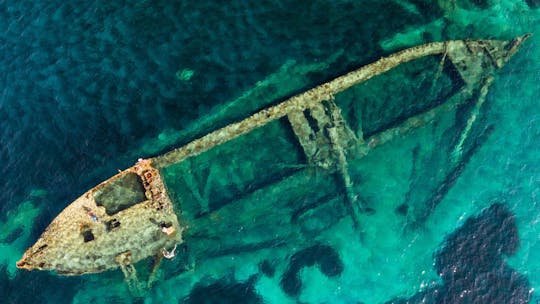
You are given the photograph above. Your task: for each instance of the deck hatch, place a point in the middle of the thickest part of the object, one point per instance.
(122, 193)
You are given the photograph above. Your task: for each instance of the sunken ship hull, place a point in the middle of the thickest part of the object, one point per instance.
(285, 174)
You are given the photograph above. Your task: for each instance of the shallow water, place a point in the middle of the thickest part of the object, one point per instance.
(89, 87)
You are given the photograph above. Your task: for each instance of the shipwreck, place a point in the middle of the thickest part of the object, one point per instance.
(175, 199)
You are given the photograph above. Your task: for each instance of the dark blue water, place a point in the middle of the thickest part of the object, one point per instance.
(85, 84)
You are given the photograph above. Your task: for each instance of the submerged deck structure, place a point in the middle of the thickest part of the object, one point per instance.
(175, 199)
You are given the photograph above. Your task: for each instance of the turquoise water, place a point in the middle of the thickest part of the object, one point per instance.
(89, 87)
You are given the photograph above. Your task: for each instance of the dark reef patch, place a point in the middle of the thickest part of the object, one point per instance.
(267, 268)
(471, 263)
(326, 258)
(402, 209)
(12, 236)
(13, 290)
(533, 3)
(223, 292)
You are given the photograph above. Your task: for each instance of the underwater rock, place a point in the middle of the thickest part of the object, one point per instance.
(479, 244)
(325, 257)
(472, 260)
(471, 263)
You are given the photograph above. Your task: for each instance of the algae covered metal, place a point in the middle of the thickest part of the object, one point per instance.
(181, 198)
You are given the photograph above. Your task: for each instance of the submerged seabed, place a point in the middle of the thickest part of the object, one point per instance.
(89, 87)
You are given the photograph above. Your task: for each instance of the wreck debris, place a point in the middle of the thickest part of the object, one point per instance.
(168, 230)
(457, 160)
(452, 177)
(169, 254)
(130, 272)
(325, 143)
(458, 150)
(131, 216)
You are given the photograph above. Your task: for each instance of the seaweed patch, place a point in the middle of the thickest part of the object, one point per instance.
(325, 257)
(471, 263)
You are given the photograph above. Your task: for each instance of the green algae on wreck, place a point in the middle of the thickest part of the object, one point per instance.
(181, 197)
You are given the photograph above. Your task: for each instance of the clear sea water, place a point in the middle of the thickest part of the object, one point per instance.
(87, 87)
